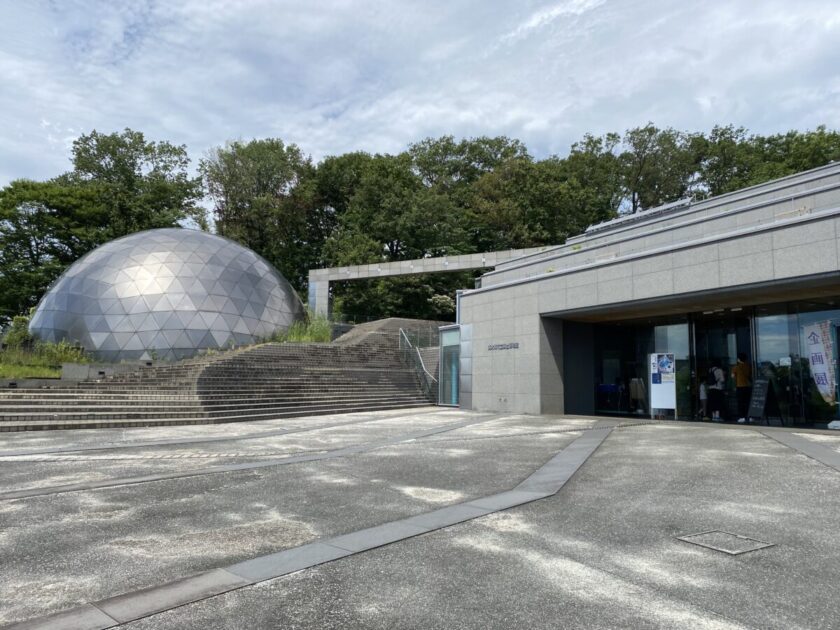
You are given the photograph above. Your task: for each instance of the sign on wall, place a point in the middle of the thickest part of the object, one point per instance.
(663, 382)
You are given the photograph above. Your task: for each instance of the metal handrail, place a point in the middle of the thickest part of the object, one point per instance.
(427, 380)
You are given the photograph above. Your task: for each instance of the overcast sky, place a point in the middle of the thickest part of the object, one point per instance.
(335, 76)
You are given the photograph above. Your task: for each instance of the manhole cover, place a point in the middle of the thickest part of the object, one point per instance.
(733, 544)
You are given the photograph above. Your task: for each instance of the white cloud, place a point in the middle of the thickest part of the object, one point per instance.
(544, 16)
(337, 75)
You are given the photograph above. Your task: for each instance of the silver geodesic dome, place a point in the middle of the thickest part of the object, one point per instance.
(166, 294)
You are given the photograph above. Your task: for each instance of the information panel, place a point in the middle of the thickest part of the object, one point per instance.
(663, 382)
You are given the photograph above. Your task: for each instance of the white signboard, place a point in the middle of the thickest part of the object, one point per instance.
(821, 358)
(663, 382)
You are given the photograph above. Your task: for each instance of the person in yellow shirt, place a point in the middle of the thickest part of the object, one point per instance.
(742, 373)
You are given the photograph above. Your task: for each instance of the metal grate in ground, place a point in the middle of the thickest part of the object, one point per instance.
(725, 542)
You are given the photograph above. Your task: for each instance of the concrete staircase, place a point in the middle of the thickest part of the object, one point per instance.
(360, 371)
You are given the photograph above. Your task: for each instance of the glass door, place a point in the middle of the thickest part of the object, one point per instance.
(450, 356)
(778, 358)
(720, 337)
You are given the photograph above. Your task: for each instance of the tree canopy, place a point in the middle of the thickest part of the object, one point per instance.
(439, 196)
(120, 184)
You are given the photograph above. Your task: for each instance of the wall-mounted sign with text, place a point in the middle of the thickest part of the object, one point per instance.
(503, 346)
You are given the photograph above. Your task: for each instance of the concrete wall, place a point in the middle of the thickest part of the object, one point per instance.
(516, 358)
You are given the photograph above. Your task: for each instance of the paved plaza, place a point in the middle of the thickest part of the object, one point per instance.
(430, 518)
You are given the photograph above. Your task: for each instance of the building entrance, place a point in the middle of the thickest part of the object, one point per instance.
(793, 346)
(720, 337)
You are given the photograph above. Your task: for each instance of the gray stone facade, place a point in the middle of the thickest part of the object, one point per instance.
(770, 242)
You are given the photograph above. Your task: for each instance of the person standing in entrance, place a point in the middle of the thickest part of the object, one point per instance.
(715, 380)
(742, 373)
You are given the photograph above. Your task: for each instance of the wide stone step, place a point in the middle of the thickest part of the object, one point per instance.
(238, 393)
(41, 425)
(185, 407)
(253, 412)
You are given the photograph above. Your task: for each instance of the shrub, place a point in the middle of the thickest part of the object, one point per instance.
(18, 334)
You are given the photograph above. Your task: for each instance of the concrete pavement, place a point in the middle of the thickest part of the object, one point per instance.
(602, 552)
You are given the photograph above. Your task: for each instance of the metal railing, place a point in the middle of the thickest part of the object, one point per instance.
(422, 337)
(410, 356)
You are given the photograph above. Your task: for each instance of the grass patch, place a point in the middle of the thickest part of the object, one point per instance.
(28, 371)
(314, 329)
(42, 360)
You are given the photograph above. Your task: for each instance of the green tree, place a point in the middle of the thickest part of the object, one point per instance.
(784, 154)
(143, 184)
(658, 166)
(446, 163)
(264, 196)
(393, 216)
(44, 226)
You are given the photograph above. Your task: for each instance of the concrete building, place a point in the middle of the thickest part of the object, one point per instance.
(570, 329)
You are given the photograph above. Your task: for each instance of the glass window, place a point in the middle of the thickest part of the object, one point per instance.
(777, 358)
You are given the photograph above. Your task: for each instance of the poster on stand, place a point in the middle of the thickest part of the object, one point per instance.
(663, 382)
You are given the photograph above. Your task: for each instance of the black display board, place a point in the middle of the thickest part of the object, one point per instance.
(763, 401)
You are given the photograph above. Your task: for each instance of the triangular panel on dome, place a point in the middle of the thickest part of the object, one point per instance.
(165, 283)
(96, 323)
(184, 317)
(137, 320)
(173, 322)
(221, 337)
(124, 325)
(239, 304)
(148, 323)
(161, 317)
(230, 320)
(251, 323)
(241, 327)
(195, 321)
(194, 269)
(109, 344)
(236, 291)
(134, 343)
(219, 289)
(242, 339)
(195, 336)
(163, 303)
(207, 340)
(187, 304)
(130, 304)
(153, 300)
(229, 308)
(171, 336)
(122, 338)
(183, 341)
(213, 271)
(147, 337)
(159, 342)
(126, 289)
